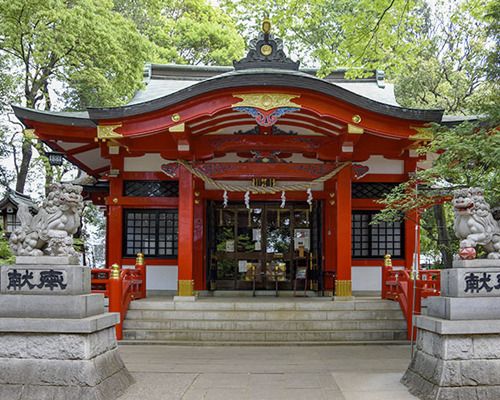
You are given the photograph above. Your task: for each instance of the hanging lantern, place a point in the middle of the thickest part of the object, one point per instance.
(283, 199)
(225, 198)
(247, 199)
(309, 197)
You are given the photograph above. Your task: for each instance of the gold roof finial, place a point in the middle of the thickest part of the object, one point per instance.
(266, 25)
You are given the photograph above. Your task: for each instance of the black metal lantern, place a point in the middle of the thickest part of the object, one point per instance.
(55, 158)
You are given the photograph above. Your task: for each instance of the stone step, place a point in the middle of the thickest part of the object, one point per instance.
(272, 325)
(311, 305)
(244, 315)
(264, 336)
(134, 342)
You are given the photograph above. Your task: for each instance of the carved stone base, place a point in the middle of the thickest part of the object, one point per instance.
(61, 366)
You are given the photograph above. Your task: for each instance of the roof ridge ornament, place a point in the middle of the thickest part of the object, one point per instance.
(266, 51)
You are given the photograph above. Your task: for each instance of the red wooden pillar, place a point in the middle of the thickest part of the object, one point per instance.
(186, 233)
(198, 237)
(329, 233)
(343, 211)
(115, 222)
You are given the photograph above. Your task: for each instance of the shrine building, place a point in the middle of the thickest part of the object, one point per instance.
(230, 177)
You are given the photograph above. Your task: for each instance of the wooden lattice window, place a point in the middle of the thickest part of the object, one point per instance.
(152, 232)
(369, 190)
(374, 241)
(151, 188)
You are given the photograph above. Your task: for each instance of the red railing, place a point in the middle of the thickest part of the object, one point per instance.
(398, 285)
(120, 286)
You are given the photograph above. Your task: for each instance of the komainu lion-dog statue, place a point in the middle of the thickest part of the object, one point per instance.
(475, 224)
(50, 232)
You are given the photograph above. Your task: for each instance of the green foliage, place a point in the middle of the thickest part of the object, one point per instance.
(6, 255)
(185, 31)
(367, 33)
(84, 44)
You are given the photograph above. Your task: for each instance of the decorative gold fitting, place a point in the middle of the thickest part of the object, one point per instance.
(197, 194)
(115, 200)
(266, 25)
(266, 101)
(186, 287)
(176, 117)
(332, 202)
(196, 201)
(343, 288)
(115, 272)
(387, 260)
(139, 259)
(108, 132)
(356, 119)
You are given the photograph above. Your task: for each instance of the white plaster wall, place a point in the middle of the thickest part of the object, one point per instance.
(382, 165)
(161, 277)
(366, 278)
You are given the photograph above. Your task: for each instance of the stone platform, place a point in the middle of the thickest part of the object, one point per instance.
(458, 342)
(55, 340)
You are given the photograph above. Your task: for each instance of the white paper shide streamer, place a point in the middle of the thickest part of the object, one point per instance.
(247, 199)
(225, 198)
(309, 197)
(283, 199)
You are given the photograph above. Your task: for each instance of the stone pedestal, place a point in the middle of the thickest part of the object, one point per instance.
(55, 340)
(458, 340)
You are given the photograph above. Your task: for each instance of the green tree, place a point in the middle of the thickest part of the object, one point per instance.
(185, 31)
(92, 51)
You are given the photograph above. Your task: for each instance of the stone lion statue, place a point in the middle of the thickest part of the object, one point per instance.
(50, 232)
(475, 224)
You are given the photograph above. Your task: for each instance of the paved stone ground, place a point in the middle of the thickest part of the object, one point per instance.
(370, 372)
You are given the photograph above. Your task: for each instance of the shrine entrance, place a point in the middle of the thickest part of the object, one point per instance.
(266, 243)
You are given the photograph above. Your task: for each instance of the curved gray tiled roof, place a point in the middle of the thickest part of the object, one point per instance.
(163, 80)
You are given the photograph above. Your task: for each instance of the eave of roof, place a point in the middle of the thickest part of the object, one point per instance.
(76, 118)
(264, 77)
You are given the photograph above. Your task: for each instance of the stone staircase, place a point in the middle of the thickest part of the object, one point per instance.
(264, 321)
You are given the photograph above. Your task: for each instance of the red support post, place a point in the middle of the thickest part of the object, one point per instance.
(115, 297)
(329, 233)
(186, 233)
(343, 211)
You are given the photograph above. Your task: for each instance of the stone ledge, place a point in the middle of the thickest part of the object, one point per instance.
(477, 263)
(47, 260)
(461, 327)
(57, 346)
(459, 308)
(48, 306)
(83, 325)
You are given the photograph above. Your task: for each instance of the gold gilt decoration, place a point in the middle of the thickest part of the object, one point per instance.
(107, 132)
(343, 288)
(266, 101)
(356, 119)
(186, 287)
(354, 130)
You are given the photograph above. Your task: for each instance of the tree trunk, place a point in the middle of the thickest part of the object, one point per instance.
(27, 152)
(443, 235)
